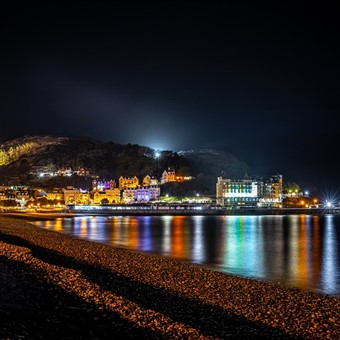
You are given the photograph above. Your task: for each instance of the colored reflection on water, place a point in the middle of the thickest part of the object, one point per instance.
(299, 250)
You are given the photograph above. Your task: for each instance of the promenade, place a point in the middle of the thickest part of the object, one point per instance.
(194, 209)
(161, 210)
(56, 286)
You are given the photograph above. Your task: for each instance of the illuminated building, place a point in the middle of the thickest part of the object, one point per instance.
(249, 192)
(129, 195)
(103, 185)
(9, 198)
(171, 176)
(236, 192)
(168, 176)
(76, 196)
(98, 197)
(64, 172)
(57, 195)
(83, 172)
(128, 182)
(150, 181)
(111, 195)
(271, 191)
(3, 196)
(83, 197)
(22, 194)
(141, 194)
(71, 195)
(153, 182)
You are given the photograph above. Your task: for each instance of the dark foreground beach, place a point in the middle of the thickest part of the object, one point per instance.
(54, 286)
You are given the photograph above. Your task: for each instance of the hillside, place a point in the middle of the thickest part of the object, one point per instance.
(215, 163)
(23, 159)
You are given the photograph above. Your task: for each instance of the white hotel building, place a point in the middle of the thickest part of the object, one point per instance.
(235, 192)
(249, 192)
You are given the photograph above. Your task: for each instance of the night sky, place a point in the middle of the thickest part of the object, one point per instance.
(261, 82)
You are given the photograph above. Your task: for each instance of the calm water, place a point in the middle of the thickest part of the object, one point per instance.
(301, 251)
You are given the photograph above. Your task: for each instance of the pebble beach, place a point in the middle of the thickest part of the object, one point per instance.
(54, 286)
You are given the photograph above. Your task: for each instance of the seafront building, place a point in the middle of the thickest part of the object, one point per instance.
(71, 195)
(141, 194)
(54, 195)
(22, 194)
(249, 192)
(11, 196)
(236, 192)
(271, 193)
(109, 196)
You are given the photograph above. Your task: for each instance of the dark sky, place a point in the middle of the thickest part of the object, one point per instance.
(261, 82)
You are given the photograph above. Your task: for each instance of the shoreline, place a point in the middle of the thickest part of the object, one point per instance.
(69, 287)
(106, 212)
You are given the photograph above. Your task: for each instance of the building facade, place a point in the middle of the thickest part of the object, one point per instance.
(249, 192)
(237, 192)
(150, 181)
(71, 195)
(103, 185)
(168, 176)
(128, 182)
(141, 195)
(55, 195)
(272, 192)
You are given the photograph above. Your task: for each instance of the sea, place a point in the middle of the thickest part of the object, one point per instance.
(301, 251)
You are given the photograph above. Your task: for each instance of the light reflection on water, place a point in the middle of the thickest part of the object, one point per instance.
(299, 250)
